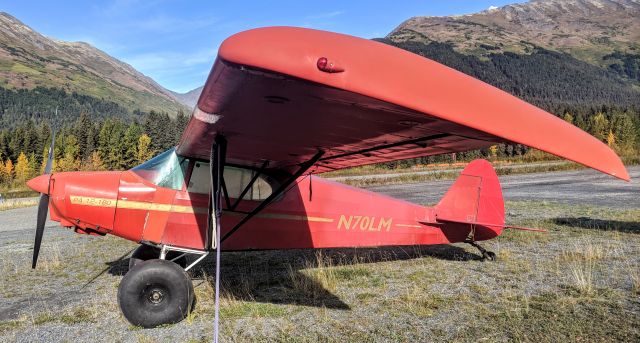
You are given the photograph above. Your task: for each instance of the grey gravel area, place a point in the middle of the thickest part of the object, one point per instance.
(72, 294)
(584, 186)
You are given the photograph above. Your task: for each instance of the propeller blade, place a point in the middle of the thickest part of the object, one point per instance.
(47, 168)
(42, 219)
(43, 206)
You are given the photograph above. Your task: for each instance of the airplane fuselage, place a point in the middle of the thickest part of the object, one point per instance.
(166, 203)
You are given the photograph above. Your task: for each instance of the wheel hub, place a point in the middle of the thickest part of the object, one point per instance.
(155, 296)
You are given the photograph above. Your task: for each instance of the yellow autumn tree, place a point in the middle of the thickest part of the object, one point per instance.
(3, 175)
(22, 168)
(568, 118)
(95, 162)
(493, 150)
(45, 156)
(8, 171)
(144, 148)
(600, 126)
(611, 139)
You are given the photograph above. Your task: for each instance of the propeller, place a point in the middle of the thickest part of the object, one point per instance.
(43, 205)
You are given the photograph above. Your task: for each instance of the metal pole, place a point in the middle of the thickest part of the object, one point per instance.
(218, 152)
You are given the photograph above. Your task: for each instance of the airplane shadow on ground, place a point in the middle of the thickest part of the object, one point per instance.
(599, 224)
(296, 276)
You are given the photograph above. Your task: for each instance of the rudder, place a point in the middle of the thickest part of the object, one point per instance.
(473, 208)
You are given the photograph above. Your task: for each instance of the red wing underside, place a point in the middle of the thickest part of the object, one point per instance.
(270, 99)
(291, 119)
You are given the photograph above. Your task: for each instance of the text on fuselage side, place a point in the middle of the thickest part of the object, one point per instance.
(364, 223)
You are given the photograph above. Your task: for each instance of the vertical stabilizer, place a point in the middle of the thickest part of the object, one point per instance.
(473, 206)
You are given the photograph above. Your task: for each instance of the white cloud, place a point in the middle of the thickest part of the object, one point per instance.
(169, 63)
(325, 15)
(180, 72)
(491, 8)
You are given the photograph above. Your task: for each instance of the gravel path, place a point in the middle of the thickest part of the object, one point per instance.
(584, 186)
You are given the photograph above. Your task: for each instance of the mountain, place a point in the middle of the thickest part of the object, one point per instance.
(189, 98)
(600, 32)
(29, 60)
(549, 52)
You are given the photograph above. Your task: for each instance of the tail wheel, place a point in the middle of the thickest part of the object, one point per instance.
(156, 292)
(146, 252)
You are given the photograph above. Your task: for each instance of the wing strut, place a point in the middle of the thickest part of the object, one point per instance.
(218, 155)
(303, 168)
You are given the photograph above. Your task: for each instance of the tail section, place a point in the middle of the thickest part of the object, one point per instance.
(473, 208)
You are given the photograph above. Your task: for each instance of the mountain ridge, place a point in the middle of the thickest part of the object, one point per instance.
(602, 33)
(29, 59)
(586, 29)
(189, 98)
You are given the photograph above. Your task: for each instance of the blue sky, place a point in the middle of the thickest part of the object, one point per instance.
(175, 42)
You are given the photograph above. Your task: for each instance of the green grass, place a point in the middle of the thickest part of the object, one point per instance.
(23, 69)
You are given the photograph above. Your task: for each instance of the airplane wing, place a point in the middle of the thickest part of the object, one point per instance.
(282, 94)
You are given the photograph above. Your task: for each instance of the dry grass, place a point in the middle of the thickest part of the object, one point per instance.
(17, 203)
(634, 276)
(579, 282)
(317, 278)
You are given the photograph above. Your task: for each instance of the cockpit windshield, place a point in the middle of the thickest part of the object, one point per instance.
(165, 170)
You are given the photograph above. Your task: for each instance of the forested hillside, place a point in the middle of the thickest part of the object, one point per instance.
(594, 99)
(20, 106)
(86, 144)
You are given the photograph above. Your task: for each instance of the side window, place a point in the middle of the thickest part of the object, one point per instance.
(236, 180)
(199, 182)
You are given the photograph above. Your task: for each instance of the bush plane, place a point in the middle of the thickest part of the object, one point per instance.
(279, 105)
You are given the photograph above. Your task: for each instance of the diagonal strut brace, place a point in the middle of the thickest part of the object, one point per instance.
(303, 168)
(249, 185)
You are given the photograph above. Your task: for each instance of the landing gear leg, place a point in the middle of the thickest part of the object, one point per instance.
(146, 252)
(486, 254)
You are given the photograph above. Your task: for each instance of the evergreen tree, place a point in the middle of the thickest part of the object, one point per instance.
(30, 142)
(581, 122)
(33, 166)
(624, 130)
(104, 140)
(181, 124)
(81, 130)
(44, 138)
(131, 137)
(16, 143)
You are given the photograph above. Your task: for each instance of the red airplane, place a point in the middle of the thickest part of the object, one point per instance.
(280, 104)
